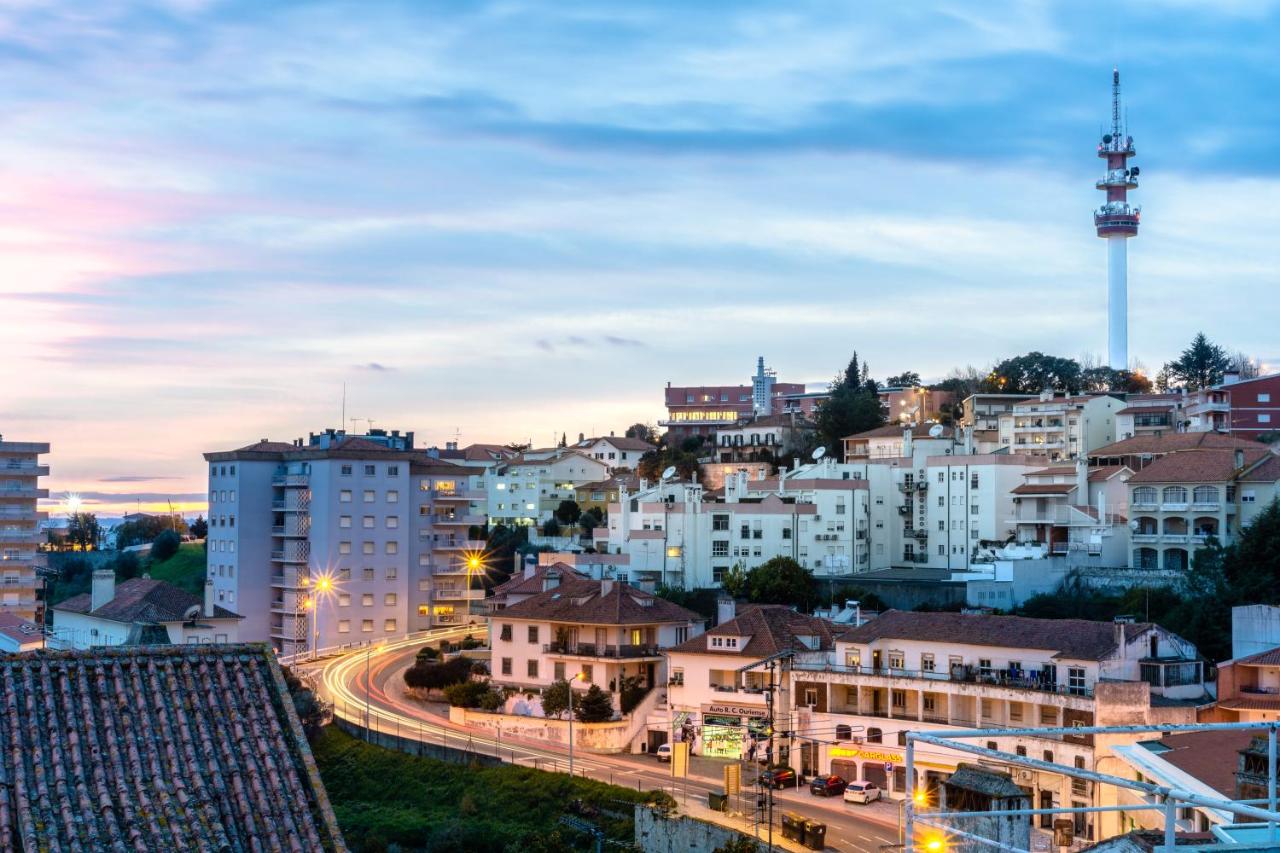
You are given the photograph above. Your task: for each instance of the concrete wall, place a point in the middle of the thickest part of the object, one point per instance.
(600, 738)
(658, 833)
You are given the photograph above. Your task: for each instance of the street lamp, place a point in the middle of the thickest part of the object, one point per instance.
(368, 686)
(323, 586)
(475, 564)
(578, 677)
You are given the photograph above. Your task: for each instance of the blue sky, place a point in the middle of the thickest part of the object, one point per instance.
(510, 220)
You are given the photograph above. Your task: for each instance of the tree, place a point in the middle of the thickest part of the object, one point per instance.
(906, 379)
(83, 530)
(591, 518)
(555, 698)
(568, 512)
(564, 440)
(200, 527)
(1246, 366)
(855, 375)
(430, 675)
(734, 580)
(468, 694)
(654, 462)
(631, 693)
(551, 527)
(313, 713)
(782, 580)
(1252, 563)
(594, 706)
(644, 432)
(165, 546)
(963, 382)
(848, 412)
(1033, 373)
(1201, 365)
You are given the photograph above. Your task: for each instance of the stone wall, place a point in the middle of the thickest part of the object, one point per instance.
(601, 738)
(659, 833)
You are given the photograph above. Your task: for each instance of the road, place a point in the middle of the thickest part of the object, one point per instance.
(344, 681)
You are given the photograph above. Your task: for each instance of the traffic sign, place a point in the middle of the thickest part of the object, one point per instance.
(888, 767)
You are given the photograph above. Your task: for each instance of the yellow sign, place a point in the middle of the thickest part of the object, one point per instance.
(680, 759)
(865, 754)
(732, 779)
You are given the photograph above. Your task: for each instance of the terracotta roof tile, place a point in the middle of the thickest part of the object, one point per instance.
(213, 759)
(895, 431)
(583, 601)
(1197, 466)
(1142, 444)
(1201, 754)
(143, 600)
(772, 628)
(1271, 657)
(1043, 489)
(1073, 639)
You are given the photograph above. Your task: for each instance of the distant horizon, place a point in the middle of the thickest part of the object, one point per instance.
(498, 222)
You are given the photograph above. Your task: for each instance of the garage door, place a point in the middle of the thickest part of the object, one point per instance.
(846, 770)
(873, 771)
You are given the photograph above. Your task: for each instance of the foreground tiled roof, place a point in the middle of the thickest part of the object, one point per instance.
(173, 748)
(1271, 657)
(1143, 444)
(772, 628)
(143, 600)
(1197, 466)
(585, 602)
(1075, 639)
(1204, 755)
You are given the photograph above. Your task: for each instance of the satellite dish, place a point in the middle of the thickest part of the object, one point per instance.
(819, 453)
(936, 431)
(669, 472)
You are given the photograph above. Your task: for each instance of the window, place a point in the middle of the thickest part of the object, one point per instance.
(366, 547)
(926, 663)
(366, 626)
(393, 497)
(1075, 680)
(369, 471)
(1248, 496)
(366, 599)
(1048, 755)
(875, 735)
(929, 703)
(393, 547)
(393, 470)
(505, 633)
(1175, 495)
(719, 548)
(506, 666)
(1048, 716)
(367, 522)
(389, 599)
(369, 496)
(558, 671)
(344, 521)
(344, 599)
(1144, 495)
(1015, 712)
(1262, 398)
(1020, 750)
(344, 496)
(344, 547)
(588, 673)
(897, 660)
(533, 668)
(973, 509)
(344, 626)
(366, 574)
(389, 625)
(391, 573)
(344, 574)
(393, 522)
(898, 698)
(346, 470)
(533, 633)
(1264, 418)
(843, 732)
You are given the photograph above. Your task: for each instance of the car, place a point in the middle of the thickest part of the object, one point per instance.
(663, 752)
(779, 777)
(861, 791)
(827, 786)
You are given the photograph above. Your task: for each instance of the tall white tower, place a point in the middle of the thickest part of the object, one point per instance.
(1117, 221)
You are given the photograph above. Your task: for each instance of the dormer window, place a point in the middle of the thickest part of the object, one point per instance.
(719, 642)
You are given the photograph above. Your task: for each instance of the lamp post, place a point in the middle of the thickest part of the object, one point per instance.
(323, 585)
(577, 677)
(921, 799)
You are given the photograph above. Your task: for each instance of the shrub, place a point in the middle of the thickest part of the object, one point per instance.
(468, 694)
(437, 676)
(594, 706)
(551, 528)
(632, 694)
(555, 698)
(492, 701)
(165, 546)
(426, 654)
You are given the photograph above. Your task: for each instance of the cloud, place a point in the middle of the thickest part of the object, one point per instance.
(376, 367)
(617, 341)
(135, 478)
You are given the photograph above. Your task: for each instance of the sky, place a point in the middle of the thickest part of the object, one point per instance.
(500, 221)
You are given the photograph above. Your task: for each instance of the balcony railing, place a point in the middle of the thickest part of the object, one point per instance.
(958, 675)
(594, 650)
(290, 480)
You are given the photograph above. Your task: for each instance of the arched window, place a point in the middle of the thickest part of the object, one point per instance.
(843, 732)
(874, 736)
(1144, 495)
(1206, 494)
(1175, 495)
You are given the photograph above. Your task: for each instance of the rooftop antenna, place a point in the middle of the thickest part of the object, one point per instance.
(819, 453)
(1115, 103)
(344, 404)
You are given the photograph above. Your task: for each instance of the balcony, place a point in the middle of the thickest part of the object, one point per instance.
(288, 506)
(1176, 506)
(290, 480)
(11, 581)
(1144, 538)
(18, 557)
(458, 494)
(22, 493)
(456, 520)
(290, 556)
(594, 650)
(22, 536)
(23, 469)
(460, 545)
(1027, 681)
(457, 594)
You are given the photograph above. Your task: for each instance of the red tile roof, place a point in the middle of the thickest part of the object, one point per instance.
(143, 600)
(1197, 466)
(20, 630)
(585, 602)
(183, 747)
(1202, 755)
(1133, 410)
(1043, 489)
(896, 431)
(772, 628)
(1143, 444)
(1271, 657)
(1074, 639)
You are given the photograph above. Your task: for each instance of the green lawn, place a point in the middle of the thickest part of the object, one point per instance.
(388, 800)
(184, 569)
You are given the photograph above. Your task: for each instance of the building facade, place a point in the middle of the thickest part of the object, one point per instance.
(1060, 428)
(701, 410)
(524, 491)
(140, 612)
(21, 564)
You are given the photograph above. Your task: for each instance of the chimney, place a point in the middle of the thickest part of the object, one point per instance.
(606, 586)
(1231, 377)
(726, 609)
(208, 598)
(104, 588)
(1082, 481)
(908, 443)
(550, 580)
(1239, 458)
(1046, 396)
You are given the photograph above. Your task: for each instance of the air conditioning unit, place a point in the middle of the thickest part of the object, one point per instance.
(1025, 775)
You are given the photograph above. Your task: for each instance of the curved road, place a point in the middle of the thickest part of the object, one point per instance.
(373, 679)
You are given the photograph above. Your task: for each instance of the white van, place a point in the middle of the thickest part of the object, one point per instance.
(663, 752)
(861, 791)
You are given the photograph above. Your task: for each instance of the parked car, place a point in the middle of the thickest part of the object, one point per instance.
(663, 752)
(861, 791)
(827, 786)
(779, 777)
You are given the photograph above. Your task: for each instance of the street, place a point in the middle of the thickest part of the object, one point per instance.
(343, 682)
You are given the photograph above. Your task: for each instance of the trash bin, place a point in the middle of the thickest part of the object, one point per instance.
(716, 802)
(792, 826)
(815, 835)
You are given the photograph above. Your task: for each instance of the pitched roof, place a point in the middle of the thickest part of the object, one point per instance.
(1201, 754)
(214, 758)
(1074, 639)
(1043, 489)
(772, 628)
(518, 584)
(1157, 407)
(1158, 444)
(1197, 466)
(621, 442)
(1099, 473)
(1271, 657)
(1268, 471)
(897, 431)
(585, 601)
(982, 780)
(20, 630)
(143, 600)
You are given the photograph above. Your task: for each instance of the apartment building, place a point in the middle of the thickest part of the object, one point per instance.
(722, 712)
(1255, 405)
(1138, 452)
(341, 539)
(593, 631)
(1248, 689)
(1149, 414)
(526, 489)
(1075, 509)
(681, 535)
(600, 494)
(1060, 428)
(704, 409)
(941, 672)
(803, 404)
(1181, 499)
(981, 413)
(21, 564)
(894, 441)
(618, 452)
(764, 438)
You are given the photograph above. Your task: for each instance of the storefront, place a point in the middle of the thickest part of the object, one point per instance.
(728, 730)
(886, 767)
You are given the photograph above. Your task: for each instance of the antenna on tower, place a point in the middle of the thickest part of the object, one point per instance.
(1115, 103)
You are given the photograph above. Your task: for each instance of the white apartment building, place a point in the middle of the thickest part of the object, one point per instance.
(894, 442)
(1060, 428)
(341, 539)
(527, 489)
(981, 415)
(1150, 414)
(908, 671)
(1181, 499)
(21, 583)
(591, 631)
(618, 452)
(1075, 510)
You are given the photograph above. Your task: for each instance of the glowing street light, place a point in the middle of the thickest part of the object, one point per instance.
(322, 585)
(73, 503)
(579, 676)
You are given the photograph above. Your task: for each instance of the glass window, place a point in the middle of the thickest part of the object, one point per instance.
(366, 626)
(369, 496)
(344, 496)
(344, 626)
(367, 522)
(369, 471)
